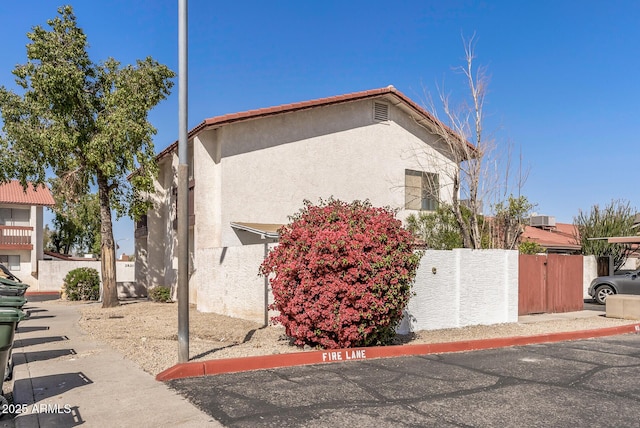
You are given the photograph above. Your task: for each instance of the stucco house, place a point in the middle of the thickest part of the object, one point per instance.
(21, 228)
(250, 171)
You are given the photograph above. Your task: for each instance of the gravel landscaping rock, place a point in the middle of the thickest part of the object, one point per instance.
(146, 332)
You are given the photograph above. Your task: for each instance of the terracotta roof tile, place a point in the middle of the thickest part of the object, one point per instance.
(13, 193)
(560, 236)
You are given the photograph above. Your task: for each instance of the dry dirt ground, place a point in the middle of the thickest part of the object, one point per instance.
(146, 333)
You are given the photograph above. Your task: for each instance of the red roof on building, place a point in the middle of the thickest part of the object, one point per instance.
(216, 122)
(13, 193)
(559, 237)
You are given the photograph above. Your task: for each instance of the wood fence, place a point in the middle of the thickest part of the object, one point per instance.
(550, 283)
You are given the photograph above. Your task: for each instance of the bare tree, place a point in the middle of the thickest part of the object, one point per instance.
(461, 134)
(478, 178)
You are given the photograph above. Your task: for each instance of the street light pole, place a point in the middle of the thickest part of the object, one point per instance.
(183, 189)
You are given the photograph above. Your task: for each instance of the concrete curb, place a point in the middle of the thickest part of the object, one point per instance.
(234, 365)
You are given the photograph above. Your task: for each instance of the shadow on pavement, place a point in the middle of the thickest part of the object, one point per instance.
(31, 329)
(23, 343)
(43, 355)
(38, 317)
(35, 311)
(49, 386)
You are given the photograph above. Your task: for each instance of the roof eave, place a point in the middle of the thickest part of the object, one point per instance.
(422, 116)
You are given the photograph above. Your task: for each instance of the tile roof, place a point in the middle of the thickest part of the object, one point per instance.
(559, 237)
(13, 193)
(218, 121)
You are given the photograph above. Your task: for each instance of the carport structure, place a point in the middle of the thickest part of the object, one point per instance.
(623, 240)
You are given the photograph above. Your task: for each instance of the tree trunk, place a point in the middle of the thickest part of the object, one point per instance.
(457, 212)
(107, 248)
(474, 229)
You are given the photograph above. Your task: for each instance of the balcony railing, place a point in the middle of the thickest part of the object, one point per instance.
(16, 237)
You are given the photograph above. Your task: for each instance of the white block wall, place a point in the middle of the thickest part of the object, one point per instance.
(589, 272)
(468, 288)
(51, 275)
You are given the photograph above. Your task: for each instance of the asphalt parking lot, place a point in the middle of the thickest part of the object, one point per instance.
(591, 305)
(580, 383)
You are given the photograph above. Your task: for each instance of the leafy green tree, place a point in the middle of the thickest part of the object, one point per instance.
(84, 122)
(509, 221)
(438, 229)
(530, 247)
(615, 219)
(62, 236)
(77, 219)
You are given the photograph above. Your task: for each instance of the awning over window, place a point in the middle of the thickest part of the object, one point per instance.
(265, 230)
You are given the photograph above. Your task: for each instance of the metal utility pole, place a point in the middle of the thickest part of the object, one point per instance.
(183, 189)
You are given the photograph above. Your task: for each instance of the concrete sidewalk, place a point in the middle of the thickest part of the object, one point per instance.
(62, 378)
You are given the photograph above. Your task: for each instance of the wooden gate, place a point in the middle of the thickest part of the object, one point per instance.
(549, 284)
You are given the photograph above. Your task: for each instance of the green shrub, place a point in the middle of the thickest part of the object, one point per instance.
(82, 284)
(160, 294)
(529, 247)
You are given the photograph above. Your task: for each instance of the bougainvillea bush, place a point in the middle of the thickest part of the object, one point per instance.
(341, 275)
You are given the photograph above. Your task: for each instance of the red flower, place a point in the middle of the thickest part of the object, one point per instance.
(341, 275)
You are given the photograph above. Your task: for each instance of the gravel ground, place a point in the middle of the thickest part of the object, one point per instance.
(146, 333)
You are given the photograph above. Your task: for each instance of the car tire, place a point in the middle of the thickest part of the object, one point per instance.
(602, 292)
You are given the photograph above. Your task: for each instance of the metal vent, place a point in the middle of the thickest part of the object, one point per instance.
(380, 112)
(542, 221)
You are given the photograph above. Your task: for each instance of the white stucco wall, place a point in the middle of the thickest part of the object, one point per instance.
(269, 166)
(232, 286)
(207, 175)
(630, 264)
(469, 287)
(156, 253)
(589, 272)
(52, 273)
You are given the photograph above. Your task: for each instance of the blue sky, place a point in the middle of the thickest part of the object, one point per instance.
(564, 87)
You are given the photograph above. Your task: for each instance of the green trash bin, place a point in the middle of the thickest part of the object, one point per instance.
(16, 302)
(12, 288)
(9, 319)
(12, 301)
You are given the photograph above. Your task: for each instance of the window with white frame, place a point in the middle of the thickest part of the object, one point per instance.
(421, 190)
(10, 261)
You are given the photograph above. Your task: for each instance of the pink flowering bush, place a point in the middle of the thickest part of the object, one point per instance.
(341, 275)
